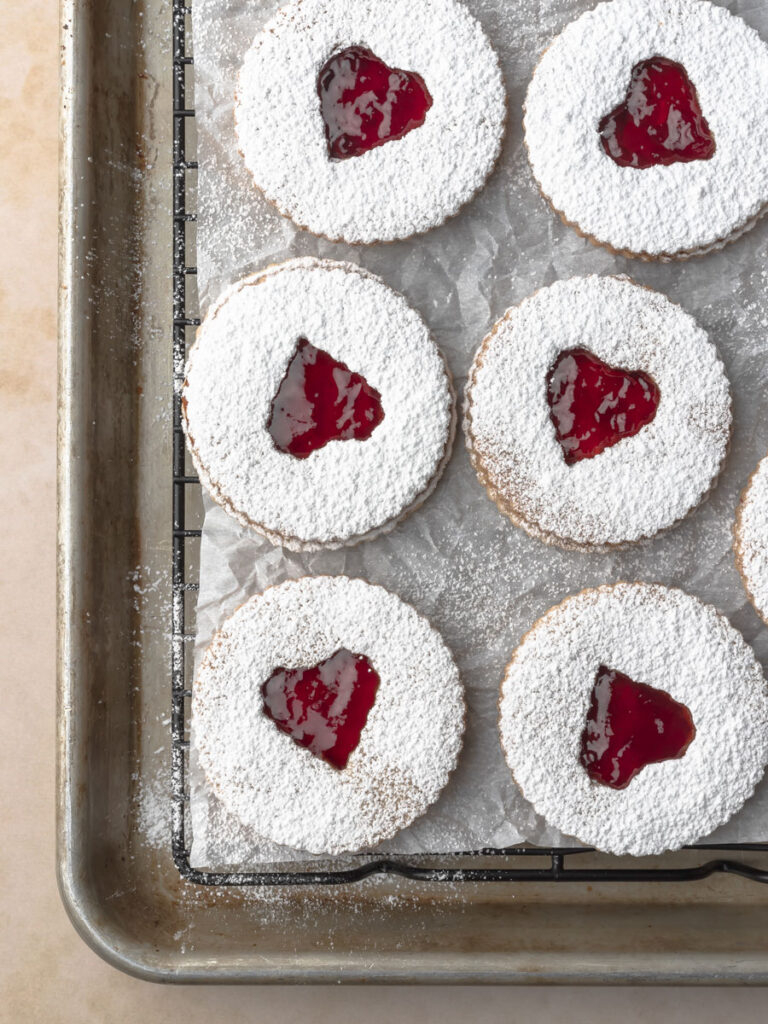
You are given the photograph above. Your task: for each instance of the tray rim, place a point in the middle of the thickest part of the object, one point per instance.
(116, 946)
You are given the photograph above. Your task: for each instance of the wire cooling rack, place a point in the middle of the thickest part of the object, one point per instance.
(521, 864)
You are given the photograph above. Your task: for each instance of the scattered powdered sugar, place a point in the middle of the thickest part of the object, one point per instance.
(346, 489)
(154, 811)
(751, 538)
(407, 749)
(638, 486)
(395, 190)
(585, 73)
(658, 636)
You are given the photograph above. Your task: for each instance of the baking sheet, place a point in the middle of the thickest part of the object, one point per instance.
(481, 581)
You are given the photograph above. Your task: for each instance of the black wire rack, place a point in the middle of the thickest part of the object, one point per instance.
(551, 864)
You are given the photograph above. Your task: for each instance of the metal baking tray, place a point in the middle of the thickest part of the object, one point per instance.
(118, 512)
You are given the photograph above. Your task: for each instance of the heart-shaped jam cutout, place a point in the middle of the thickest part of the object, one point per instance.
(660, 120)
(594, 405)
(321, 400)
(630, 725)
(323, 708)
(366, 103)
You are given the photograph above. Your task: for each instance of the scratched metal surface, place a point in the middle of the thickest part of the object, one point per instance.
(115, 868)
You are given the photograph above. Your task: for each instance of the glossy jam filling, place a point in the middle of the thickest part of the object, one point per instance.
(630, 725)
(365, 103)
(323, 708)
(321, 400)
(593, 405)
(660, 120)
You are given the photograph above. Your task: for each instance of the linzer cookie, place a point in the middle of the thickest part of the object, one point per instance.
(597, 413)
(328, 714)
(317, 408)
(751, 538)
(370, 122)
(635, 718)
(646, 124)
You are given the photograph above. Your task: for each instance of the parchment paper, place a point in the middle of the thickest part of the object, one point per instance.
(480, 581)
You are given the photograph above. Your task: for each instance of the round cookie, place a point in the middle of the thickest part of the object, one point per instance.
(689, 661)
(751, 538)
(291, 104)
(301, 348)
(581, 357)
(628, 87)
(276, 778)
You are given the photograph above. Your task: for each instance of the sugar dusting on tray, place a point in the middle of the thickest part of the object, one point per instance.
(480, 581)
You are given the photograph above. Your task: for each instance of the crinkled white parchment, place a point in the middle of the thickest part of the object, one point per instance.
(479, 580)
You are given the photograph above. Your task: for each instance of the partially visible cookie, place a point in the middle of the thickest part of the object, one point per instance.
(597, 413)
(635, 718)
(646, 124)
(327, 714)
(367, 121)
(751, 538)
(318, 409)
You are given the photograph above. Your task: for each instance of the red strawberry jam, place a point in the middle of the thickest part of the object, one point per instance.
(593, 405)
(321, 400)
(365, 103)
(660, 120)
(323, 708)
(630, 725)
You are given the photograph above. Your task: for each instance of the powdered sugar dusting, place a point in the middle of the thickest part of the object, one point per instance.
(407, 749)
(585, 73)
(673, 642)
(480, 581)
(638, 486)
(398, 189)
(751, 538)
(347, 489)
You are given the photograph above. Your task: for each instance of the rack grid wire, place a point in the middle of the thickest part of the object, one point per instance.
(556, 861)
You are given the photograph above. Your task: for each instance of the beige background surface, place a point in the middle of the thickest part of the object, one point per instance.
(46, 973)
